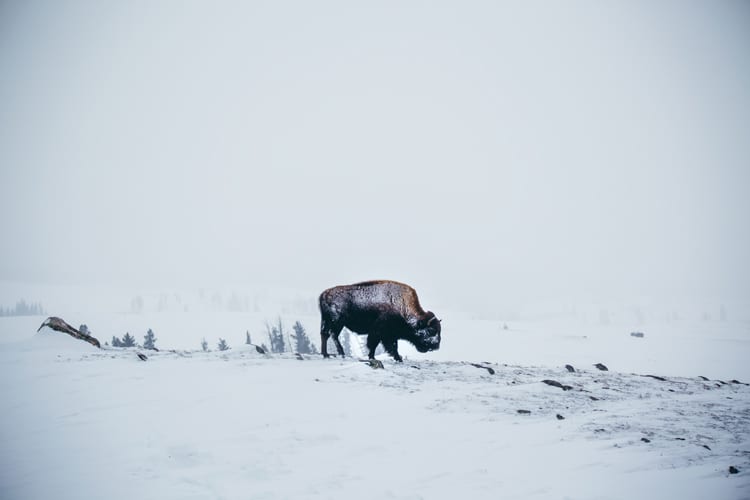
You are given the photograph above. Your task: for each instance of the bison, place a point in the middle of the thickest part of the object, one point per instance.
(385, 311)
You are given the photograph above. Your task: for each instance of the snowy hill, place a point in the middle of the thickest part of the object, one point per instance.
(86, 423)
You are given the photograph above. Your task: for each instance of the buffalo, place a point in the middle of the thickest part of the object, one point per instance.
(385, 311)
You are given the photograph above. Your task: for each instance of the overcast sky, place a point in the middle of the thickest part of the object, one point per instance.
(516, 149)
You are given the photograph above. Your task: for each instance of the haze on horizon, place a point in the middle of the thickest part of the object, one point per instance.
(480, 149)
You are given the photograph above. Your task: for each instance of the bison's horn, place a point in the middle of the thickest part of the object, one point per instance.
(433, 319)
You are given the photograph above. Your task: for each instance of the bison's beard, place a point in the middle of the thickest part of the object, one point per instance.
(426, 339)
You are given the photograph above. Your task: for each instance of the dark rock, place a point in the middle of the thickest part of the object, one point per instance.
(733, 469)
(601, 367)
(490, 370)
(524, 412)
(646, 440)
(555, 383)
(680, 439)
(705, 379)
(299, 356)
(594, 398)
(142, 356)
(706, 447)
(375, 364)
(570, 368)
(637, 334)
(655, 377)
(560, 417)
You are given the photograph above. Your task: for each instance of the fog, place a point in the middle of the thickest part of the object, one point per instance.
(483, 152)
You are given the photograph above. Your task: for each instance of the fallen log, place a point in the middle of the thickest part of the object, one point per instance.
(59, 325)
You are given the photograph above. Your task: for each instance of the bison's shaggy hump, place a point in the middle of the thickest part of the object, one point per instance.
(386, 296)
(385, 311)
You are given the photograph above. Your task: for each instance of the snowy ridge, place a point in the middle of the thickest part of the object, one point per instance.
(237, 424)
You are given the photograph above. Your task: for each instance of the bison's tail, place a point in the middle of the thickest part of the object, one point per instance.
(322, 301)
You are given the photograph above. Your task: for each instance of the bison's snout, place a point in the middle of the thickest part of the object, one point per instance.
(429, 341)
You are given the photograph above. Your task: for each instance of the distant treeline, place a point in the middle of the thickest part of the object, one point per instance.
(23, 309)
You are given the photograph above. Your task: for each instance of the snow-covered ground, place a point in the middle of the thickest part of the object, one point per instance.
(82, 423)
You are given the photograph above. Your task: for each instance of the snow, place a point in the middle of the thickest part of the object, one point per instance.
(84, 423)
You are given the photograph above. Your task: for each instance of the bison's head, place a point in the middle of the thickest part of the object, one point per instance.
(427, 333)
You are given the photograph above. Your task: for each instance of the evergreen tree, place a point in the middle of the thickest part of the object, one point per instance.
(116, 342)
(84, 330)
(223, 345)
(149, 341)
(204, 345)
(128, 340)
(276, 337)
(247, 338)
(302, 341)
(21, 308)
(136, 305)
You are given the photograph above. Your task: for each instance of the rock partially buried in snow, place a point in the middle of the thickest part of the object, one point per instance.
(375, 364)
(601, 367)
(733, 470)
(489, 370)
(637, 334)
(570, 368)
(555, 383)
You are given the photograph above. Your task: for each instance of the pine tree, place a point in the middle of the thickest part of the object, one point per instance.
(204, 345)
(21, 308)
(149, 341)
(128, 340)
(116, 342)
(276, 337)
(247, 338)
(222, 346)
(302, 341)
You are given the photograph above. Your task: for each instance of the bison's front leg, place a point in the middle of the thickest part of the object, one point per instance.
(373, 340)
(391, 347)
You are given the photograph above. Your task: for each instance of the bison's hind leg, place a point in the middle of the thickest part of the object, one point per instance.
(335, 334)
(327, 329)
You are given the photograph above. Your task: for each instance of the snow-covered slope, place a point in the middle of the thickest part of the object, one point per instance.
(85, 423)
